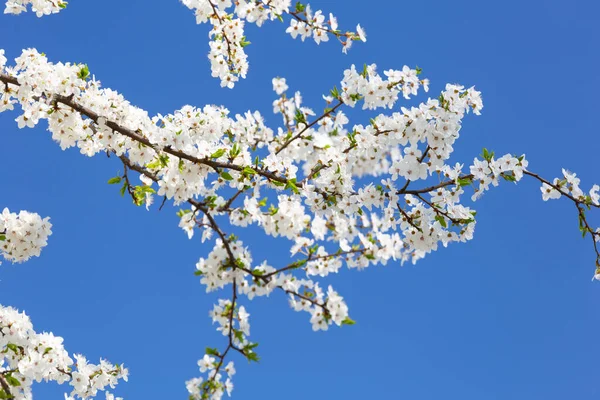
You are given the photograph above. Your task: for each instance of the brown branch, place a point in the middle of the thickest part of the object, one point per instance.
(307, 127)
(6, 387)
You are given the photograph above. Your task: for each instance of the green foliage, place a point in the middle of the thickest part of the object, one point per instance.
(84, 72)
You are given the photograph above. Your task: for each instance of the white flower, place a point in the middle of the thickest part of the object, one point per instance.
(361, 33)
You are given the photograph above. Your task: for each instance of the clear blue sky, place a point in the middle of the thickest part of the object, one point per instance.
(511, 315)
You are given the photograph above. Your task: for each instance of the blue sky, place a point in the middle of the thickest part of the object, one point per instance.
(512, 314)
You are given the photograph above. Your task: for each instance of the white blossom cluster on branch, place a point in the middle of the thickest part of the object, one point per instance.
(27, 356)
(228, 58)
(341, 194)
(39, 7)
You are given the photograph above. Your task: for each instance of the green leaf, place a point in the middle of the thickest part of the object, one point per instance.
(335, 93)
(509, 177)
(441, 220)
(419, 70)
(153, 165)
(300, 7)
(115, 180)
(182, 212)
(248, 171)
(12, 381)
(487, 155)
(212, 352)
(2, 238)
(218, 153)
(123, 188)
(235, 151)
(348, 321)
(298, 264)
(365, 71)
(13, 347)
(465, 181)
(4, 395)
(244, 42)
(252, 356)
(291, 185)
(299, 117)
(226, 175)
(84, 72)
(164, 160)
(63, 4)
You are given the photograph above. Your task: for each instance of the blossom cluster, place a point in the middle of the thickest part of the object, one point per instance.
(23, 235)
(39, 7)
(340, 194)
(569, 184)
(27, 356)
(489, 170)
(232, 322)
(228, 58)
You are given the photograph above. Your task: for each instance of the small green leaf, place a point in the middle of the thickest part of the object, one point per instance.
(182, 212)
(212, 352)
(441, 220)
(291, 185)
(299, 117)
(252, 356)
(365, 71)
(248, 171)
(509, 177)
(84, 72)
(115, 180)
(335, 92)
(12, 381)
(348, 321)
(13, 347)
(226, 175)
(465, 181)
(244, 42)
(218, 153)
